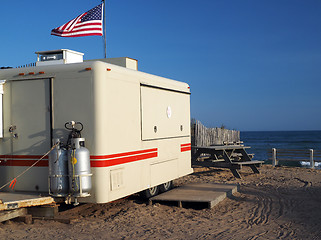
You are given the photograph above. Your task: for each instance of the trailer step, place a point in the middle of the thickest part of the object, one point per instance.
(198, 195)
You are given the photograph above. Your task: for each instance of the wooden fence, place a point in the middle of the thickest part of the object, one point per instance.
(295, 155)
(203, 136)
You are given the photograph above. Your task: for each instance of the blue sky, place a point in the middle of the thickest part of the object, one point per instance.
(251, 65)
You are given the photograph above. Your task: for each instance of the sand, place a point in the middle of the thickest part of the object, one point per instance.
(279, 203)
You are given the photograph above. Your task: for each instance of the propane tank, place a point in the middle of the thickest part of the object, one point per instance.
(58, 171)
(79, 168)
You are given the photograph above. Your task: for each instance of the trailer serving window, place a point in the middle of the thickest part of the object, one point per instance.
(164, 113)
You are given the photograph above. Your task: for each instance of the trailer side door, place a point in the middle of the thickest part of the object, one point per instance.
(30, 117)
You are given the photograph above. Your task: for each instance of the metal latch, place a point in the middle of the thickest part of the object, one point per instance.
(12, 128)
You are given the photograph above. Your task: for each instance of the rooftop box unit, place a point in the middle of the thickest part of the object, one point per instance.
(124, 62)
(61, 56)
(120, 61)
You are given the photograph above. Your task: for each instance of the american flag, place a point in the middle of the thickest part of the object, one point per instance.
(86, 24)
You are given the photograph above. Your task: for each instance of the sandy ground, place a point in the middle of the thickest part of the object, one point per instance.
(280, 203)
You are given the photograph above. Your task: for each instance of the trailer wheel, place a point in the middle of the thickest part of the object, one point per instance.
(150, 192)
(166, 186)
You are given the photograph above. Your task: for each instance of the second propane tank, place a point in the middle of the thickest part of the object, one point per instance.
(79, 168)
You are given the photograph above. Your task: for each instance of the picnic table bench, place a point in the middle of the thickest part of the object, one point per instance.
(225, 156)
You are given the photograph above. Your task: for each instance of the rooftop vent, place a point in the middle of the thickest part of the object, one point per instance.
(61, 56)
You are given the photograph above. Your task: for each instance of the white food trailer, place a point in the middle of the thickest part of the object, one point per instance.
(136, 125)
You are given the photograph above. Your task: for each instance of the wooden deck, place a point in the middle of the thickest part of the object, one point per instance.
(208, 194)
(19, 205)
(14, 200)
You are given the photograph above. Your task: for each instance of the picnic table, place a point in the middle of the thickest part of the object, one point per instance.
(225, 156)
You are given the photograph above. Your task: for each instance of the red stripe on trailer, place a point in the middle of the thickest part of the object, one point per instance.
(186, 145)
(122, 160)
(185, 149)
(96, 161)
(123, 154)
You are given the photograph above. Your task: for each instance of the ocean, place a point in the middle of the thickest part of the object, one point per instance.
(261, 142)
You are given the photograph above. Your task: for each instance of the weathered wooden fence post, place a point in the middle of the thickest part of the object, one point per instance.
(274, 160)
(311, 159)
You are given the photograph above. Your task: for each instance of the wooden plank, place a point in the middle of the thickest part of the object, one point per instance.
(254, 162)
(226, 165)
(235, 173)
(208, 193)
(10, 214)
(49, 211)
(21, 200)
(254, 169)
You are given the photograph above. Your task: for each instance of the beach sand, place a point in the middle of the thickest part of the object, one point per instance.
(279, 203)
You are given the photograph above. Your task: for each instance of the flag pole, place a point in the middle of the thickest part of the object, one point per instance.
(104, 18)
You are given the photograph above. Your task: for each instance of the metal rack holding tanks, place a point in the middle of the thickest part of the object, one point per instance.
(69, 166)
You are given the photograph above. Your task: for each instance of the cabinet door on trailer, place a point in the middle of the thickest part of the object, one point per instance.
(165, 113)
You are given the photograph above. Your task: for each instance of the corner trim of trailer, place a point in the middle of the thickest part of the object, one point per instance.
(51, 106)
(162, 88)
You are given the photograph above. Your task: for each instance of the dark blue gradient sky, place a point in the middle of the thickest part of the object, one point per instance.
(251, 65)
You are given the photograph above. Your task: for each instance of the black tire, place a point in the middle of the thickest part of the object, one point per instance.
(150, 192)
(166, 186)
